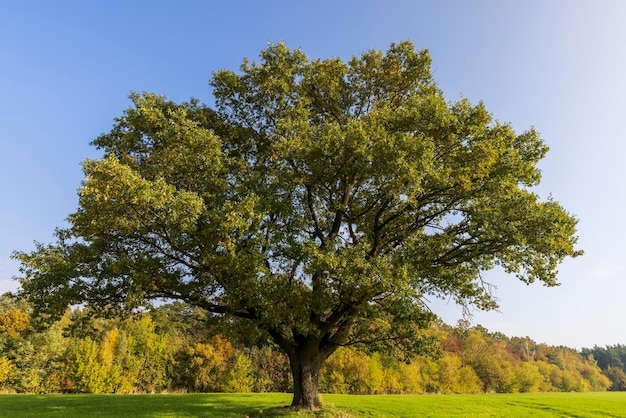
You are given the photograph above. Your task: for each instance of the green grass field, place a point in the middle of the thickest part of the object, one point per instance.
(605, 404)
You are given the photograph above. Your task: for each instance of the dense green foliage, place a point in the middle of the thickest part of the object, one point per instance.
(320, 201)
(173, 348)
(612, 360)
(600, 405)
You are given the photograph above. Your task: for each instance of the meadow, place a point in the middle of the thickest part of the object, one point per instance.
(597, 404)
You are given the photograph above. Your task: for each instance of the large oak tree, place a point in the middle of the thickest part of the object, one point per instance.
(318, 200)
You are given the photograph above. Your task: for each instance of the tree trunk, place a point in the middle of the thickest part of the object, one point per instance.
(306, 356)
(305, 368)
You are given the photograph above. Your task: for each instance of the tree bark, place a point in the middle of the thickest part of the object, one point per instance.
(305, 368)
(307, 354)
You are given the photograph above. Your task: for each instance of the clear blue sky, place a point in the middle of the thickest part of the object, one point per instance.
(66, 68)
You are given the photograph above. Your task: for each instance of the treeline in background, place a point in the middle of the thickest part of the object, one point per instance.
(174, 348)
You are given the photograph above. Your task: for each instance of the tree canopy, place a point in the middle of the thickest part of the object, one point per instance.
(320, 201)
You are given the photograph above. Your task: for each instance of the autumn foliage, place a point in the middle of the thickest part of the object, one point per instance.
(172, 349)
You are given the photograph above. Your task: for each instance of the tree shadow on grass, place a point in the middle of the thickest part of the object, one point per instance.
(288, 412)
(153, 406)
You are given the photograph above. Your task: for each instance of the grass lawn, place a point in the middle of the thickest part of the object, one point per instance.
(605, 404)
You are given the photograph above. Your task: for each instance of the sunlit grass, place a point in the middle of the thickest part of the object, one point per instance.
(605, 404)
